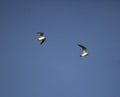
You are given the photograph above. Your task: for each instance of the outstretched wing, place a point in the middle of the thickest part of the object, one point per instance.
(42, 41)
(83, 47)
(41, 33)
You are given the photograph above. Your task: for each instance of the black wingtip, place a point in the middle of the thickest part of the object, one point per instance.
(41, 33)
(42, 41)
(78, 44)
(83, 47)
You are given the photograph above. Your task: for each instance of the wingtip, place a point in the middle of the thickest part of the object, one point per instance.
(39, 32)
(78, 44)
(43, 41)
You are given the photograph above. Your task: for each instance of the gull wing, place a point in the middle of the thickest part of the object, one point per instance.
(84, 50)
(83, 47)
(42, 41)
(41, 33)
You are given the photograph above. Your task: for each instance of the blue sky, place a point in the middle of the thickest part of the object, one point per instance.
(55, 69)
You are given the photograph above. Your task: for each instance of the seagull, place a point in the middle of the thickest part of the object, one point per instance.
(41, 37)
(84, 50)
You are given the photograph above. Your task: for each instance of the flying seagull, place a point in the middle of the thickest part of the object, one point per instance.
(41, 37)
(84, 50)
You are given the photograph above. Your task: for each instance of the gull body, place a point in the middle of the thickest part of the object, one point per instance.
(41, 38)
(84, 50)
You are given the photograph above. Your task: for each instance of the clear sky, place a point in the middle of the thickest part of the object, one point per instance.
(55, 69)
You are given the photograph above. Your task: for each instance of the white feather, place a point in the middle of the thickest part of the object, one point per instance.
(41, 38)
